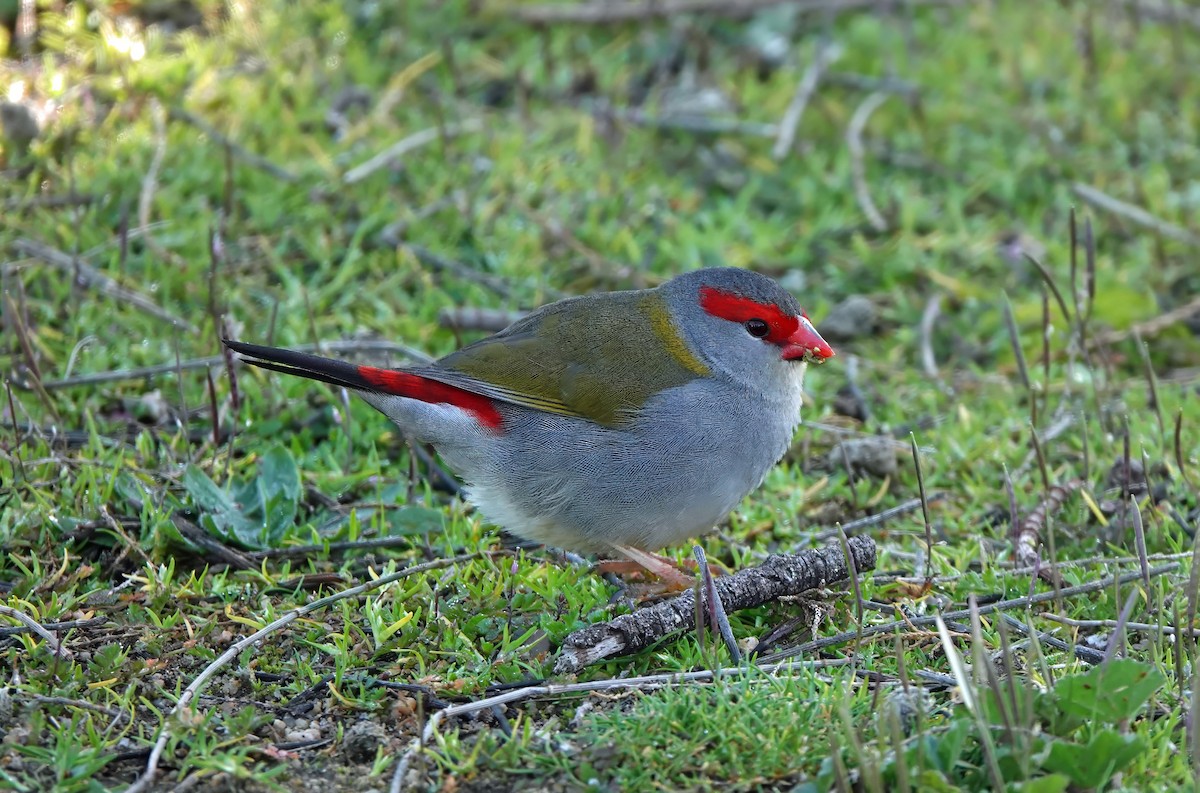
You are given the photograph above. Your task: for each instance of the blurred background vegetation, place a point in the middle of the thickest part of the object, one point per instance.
(390, 179)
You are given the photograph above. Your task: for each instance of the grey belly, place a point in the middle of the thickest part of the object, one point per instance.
(573, 483)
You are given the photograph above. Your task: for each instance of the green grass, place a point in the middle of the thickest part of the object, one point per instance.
(1012, 103)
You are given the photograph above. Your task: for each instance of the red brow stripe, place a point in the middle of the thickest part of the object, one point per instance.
(414, 386)
(736, 308)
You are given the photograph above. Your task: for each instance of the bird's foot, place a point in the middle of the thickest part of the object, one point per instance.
(672, 578)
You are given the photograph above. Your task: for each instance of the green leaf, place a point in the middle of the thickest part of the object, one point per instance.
(935, 781)
(1109, 693)
(1051, 783)
(220, 514)
(951, 742)
(414, 521)
(1091, 766)
(278, 494)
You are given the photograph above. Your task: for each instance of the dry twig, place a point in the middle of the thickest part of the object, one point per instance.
(827, 53)
(86, 275)
(780, 575)
(1166, 11)
(1030, 531)
(1151, 327)
(1002, 605)
(613, 12)
(196, 686)
(341, 346)
(1134, 214)
(240, 152)
(858, 169)
(648, 682)
(405, 146)
(35, 627)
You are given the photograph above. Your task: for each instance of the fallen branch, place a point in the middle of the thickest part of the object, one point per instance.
(612, 13)
(1149, 328)
(858, 169)
(70, 625)
(827, 53)
(401, 148)
(780, 575)
(647, 683)
(1030, 532)
(456, 268)
(212, 549)
(240, 152)
(491, 320)
(340, 346)
(1002, 605)
(34, 627)
(86, 275)
(174, 720)
(1167, 11)
(697, 125)
(1134, 214)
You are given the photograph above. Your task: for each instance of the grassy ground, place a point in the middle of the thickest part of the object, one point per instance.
(216, 162)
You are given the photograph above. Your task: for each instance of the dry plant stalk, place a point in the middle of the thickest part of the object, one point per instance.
(779, 575)
(1030, 532)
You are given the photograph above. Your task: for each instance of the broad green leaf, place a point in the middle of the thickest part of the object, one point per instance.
(279, 493)
(1051, 783)
(220, 514)
(1109, 693)
(414, 521)
(1091, 766)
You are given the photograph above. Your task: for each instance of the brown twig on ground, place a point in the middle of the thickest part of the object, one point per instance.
(17, 313)
(827, 53)
(128, 544)
(34, 627)
(868, 521)
(1134, 214)
(55, 626)
(556, 229)
(1030, 532)
(398, 150)
(1145, 627)
(18, 205)
(295, 551)
(613, 12)
(491, 320)
(86, 275)
(240, 152)
(1151, 327)
(340, 346)
(212, 548)
(193, 690)
(780, 575)
(67, 702)
(456, 268)
(1166, 11)
(647, 683)
(1085, 654)
(1002, 605)
(858, 168)
(697, 125)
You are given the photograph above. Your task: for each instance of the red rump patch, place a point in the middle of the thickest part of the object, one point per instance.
(414, 386)
(736, 308)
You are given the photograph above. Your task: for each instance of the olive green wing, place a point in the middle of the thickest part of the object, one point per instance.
(593, 357)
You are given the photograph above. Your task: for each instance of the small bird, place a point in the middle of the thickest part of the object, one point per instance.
(621, 421)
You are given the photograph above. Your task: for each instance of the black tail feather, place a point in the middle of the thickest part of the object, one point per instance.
(301, 364)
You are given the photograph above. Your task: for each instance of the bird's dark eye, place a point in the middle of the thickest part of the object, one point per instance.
(758, 328)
